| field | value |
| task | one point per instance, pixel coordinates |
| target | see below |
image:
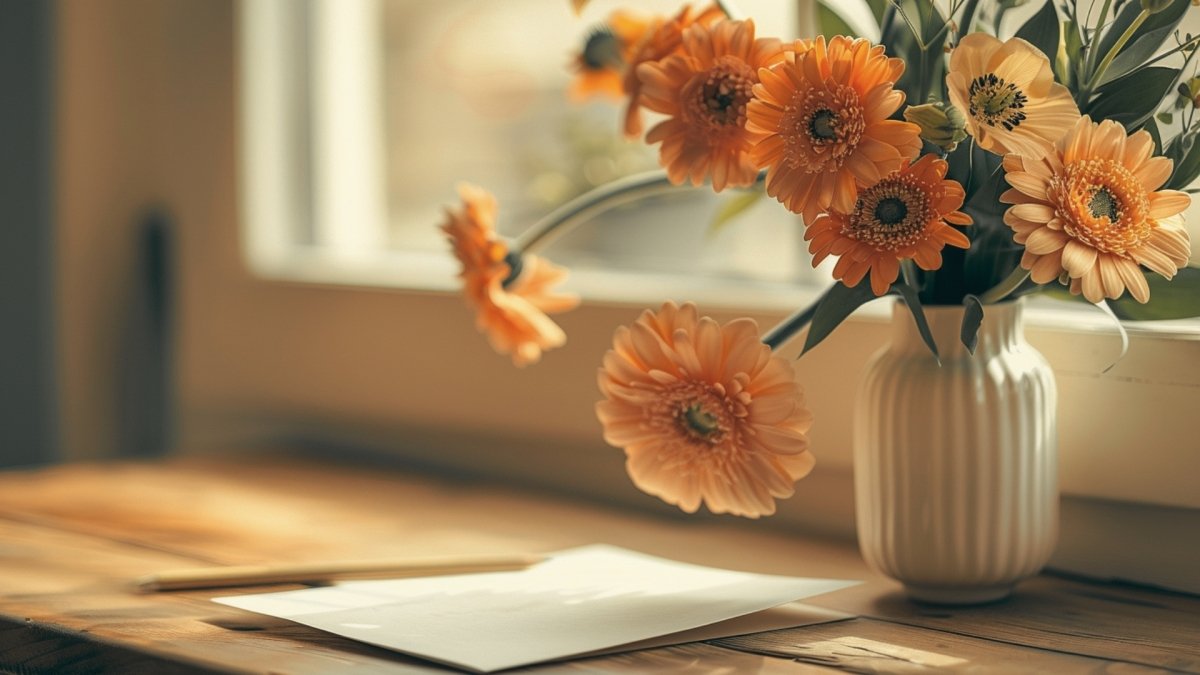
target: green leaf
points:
(1187, 168)
(1132, 99)
(830, 23)
(1169, 17)
(1152, 128)
(972, 319)
(967, 17)
(1138, 51)
(1041, 30)
(900, 42)
(1178, 148)
(733, 206)
(909, 295)
(837, 304)
(1178, 298)
(1073, 54)
(1120, 329)
(877, 8)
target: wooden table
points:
(71, 538)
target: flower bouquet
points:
(949, 164)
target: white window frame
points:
(1104, 454)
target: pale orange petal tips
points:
(513, 315)
(1091, 209)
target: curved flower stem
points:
(593, 203)
(1002, 290)
(589, 205)
(788, 328)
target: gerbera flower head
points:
(1092, 208)
(511, 312)
(601, 63)
(820, 120)
(1008, 94)
(705, 412)
(704, 92)
(662, 38)
(907, 214)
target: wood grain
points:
(1136, 625)
(73, 537)
(871, 646)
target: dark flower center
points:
(699, 422)
(892, 214)
(601, 50)
(723, 93)
(891, 211)
(1104, 204)
(994, 102)
(823, 125)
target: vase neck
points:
(1001, 330)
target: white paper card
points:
(580, 601)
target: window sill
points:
(1146, 392)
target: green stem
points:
(790, 327)
(909, 271)
(1006, 287)
(923, 82)
(887, 22)
(1090, 61)
(593, 203)
(1112, 53)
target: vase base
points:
(958, 595)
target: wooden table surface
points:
(73, 536)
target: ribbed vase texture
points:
(956, 466)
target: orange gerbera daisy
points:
(663, 38)
(511, 312)
(903, 216)
(1092, 208)
(821, 124)
(704, 91)
(1008, 94)
(704, 412)
(600, 64)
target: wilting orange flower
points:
(820, 118)
(704, 91)
(663, 38)
(1092, 208)
(903, 216)
(704, 412)
(1008, 94)
(514, 316)
(600, 64)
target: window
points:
(362, 115)
(328, 122)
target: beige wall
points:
(145, 117)
(148, 115)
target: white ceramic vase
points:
(956, 474)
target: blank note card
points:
(581, 601)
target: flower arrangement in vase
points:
(950, 165)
